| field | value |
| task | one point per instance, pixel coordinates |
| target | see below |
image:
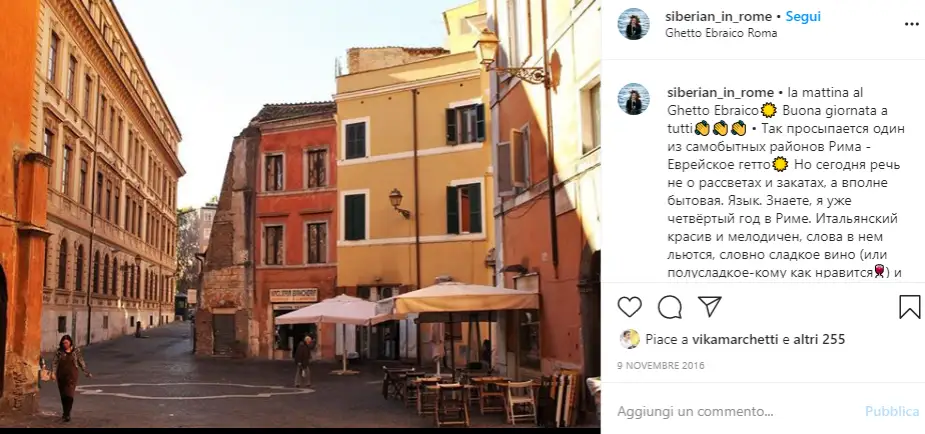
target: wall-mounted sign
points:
(290, 306)
(306, 295)
(191, 296)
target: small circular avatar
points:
(633, 24)
(633, 99)
(629, 339)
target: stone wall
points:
(228, 277)
(367, 59)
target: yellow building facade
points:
(419, 130)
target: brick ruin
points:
(228, 271)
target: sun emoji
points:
(780, 164)
(768, 110)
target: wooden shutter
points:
(518, 151)
(503, 173)
(480, 123)
(475, 208)
(355, 217)
(452, 210)
(451, 131)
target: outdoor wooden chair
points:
(521, 402)
(411, 388)
(491, 395)
(452, 408)
(427, 398)
(392, 382)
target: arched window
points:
(79, 272)
(137, 281)
(96, 272)
(45, 271)
(106, 274)
(125, 280)
(62, 264)
(115, 276)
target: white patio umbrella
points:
(342, 309)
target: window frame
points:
(62, 264)
(515, 26)
(281, 175)
(454, 122)
(54, 47)
(66, 155)
(88, 92)
(456, 187)
(264, 239)
(307, 155)
(588, 131)
(70, 91)
(326, 253)
(366, 138)
(343, 215)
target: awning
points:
(342, 309)
(458, 297)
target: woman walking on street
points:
(65, 369)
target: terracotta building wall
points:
(294, 208)
(23, 178)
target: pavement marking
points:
(94, 389)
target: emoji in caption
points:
(780, 164)
(768, 110)
(702, 128)
(720, 128)
(738, 128)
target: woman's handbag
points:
(45, 375)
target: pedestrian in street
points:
(303, 356)
(65, 370)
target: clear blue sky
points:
(216, 62)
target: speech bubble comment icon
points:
(669, 307)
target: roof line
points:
(144, 65)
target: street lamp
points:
(486, 48)
(395, 198)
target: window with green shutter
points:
(464, 209)
(355, 141)
(355, 217)
(465, 124)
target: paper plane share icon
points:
(710, 302)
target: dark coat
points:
(633, 107)
(633, 32)
(303, 354)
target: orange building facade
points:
(23, 222)
(295, 259)
(548, 240)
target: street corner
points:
(188, 391)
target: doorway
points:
(223, 335)
(3, 306)
(289, 336)
(388, 336)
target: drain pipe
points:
(550, 147)
(417, 221)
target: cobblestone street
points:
(156, 382)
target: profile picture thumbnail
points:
(633, 99)
(633, 23)
(629, 339)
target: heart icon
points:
(629, 305)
